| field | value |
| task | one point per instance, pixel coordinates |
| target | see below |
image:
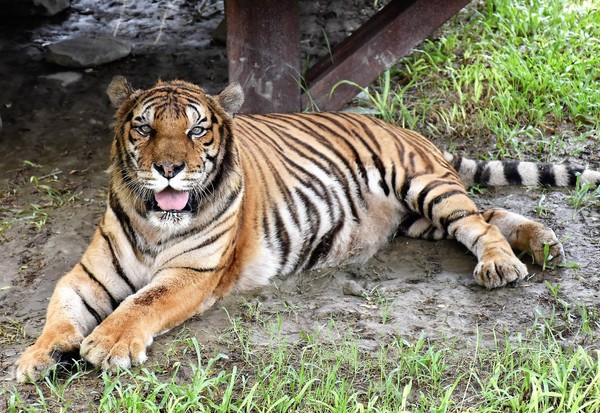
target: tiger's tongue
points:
(171, 200)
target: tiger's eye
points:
(196, 132)
(143, 130)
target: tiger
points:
(204, 202)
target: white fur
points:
(590, 177)
(497, 177)
(529, 173)
(467, 171)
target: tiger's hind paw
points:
(499, 269)
(544, 246)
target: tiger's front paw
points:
(34, 364)
(498, 269)
(40, 359)
(115, 348)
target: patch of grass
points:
(11, 331)
(48, 195)
(584, 196)
(328, 371)
(518, 79)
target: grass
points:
(48, 194)
(534, 372)
(517, 79)
(584, 196)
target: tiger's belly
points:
(339, 239)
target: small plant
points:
(584, 195)
(477, 190)
(376, 298)
(540, 209)
(384, 101)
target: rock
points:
(350, 287)
(86, 51)
(33, 7)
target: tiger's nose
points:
(168, 169)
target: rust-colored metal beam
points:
(374, 48)
(263, 50)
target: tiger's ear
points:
(231, 98)
(119, 91)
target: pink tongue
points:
(172, 200)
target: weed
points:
(540, 209)
(583, 196)
(37, 213)
(11, 331)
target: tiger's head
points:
(172, 143)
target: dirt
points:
(60, 133)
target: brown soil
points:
(416, 287)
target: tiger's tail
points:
(501, 173)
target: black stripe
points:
(113, 303)
(116, 265)
(478, 173)
(201, 270)
(411, 162)
(404, 192)
(393, 180)
(381, 169)
(283, 236)
(484, 233)
(546, 172)
(123, 219)
(455, 216)
(456, 162)
(429, 233)
(440, 198)
(573, 171)
(89, 308)
(425, 191)
(408, 220)
(314, 221)
(511, 172)
(324, 246)
(198, 270)
(125, 122)
(204, 243)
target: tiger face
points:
(168, 146)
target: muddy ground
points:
(59, 132)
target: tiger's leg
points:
(445, 203)
(173, 296)
(526, 235)
(415, 226)
(80, 301)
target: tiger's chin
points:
(169, 220)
